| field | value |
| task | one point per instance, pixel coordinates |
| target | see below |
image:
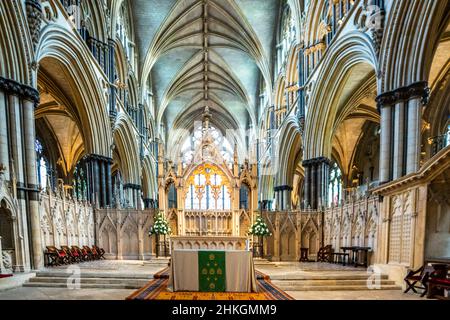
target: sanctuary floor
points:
(138, 269)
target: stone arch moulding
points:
(406, 62)
(60, 46)
(350, 51)
(125, 142)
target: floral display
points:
(259, 228)
(161, 226)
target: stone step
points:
(308, 283)
(82, 285)
(325, 276)
(90, 274)
(64, 280)
(157, 260)
(337, 288)
(263, 262)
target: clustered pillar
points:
(401, 119)
(99, 180)
(317, 176)
(18, 163)
(283, 197)
(133, 195)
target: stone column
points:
(414, 134)
(286, 199)
(1, 257)
(17, 157)
(33, 193)
(109, 188)
(307, 188)
(419, 94)
(319, 184)
(4, 152)
(314, 186)
(276, 238)
(384, 107)
(399, 135)
(141, 236)
(96, 181)
(102, 164)
(419, 224)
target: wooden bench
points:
(340, 258)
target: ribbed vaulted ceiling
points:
(206, 52)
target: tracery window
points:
(208, 189)
(244, 196)
(123, 31)
(172, 196)
(42, 165)
(335, 185)
(287, 35)
(193, 142)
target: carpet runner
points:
(157, 290)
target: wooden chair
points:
(325, 254)
(73, 255)
(418, 279)
(100, 251)
(51, 256)
(92, 255)
(84, 256)
(57, 256)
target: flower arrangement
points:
(259, 228)
(161, 226)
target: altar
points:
(212, 271)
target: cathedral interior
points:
(328, 119)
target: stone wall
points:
(124, 233)
(65, 221)
(353, 223)
(414, 218)
(292, 230)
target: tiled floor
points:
(145, 268)
(354, 295)
(23, 293)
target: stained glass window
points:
(208, 190)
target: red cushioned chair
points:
(436, 288)
(56, 256)
(84, 256)
(72, 255)
(100, 251)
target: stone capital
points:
(21, 90)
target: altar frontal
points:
(212, 271)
